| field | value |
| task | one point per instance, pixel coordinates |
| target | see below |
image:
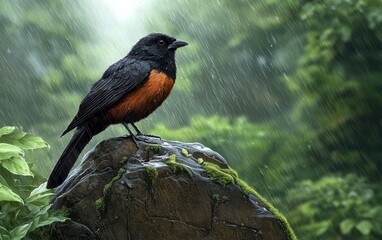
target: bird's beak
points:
(177, 44)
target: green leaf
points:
(322, 227)
(6, 130)
(364, 227)
(346, 226)
(3, 231)
(6, 194)
(308, 209)
(38, 198)
(372, 212)
(34, 205)
(39, 190)
(17, 165)
(19, 232)
(3, 181)
(8, 151)
(33, 208)
(318, 228)
(24, 140)
(43, 217)
(48, 221)
(44, 210)
(40, 193)
(5, 236)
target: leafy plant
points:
(25, 207)
(336, 207)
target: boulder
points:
(149, 188)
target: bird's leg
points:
(139, 133)
(128, 129)
(133, 137)
(136, 129)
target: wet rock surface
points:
(149, 188)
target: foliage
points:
(46, 65)
(340, 72)
(321, 61)
(25, 207)
(350, 208)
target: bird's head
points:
(156, 46)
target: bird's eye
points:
(161, 42)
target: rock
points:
(158, 189)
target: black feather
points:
(121, 79)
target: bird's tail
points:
(80, 139)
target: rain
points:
(288, 92)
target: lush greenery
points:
(288, 91)
(25, 208)
(293, 93)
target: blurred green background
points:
(289, 92)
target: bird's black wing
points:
(118, 80)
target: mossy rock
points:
(119, 193)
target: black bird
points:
(128, 91)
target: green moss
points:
(124, 160)
(100, 202)
(177, 167)
(152, 174)
(121, 171)
(219, 199)
(282, 220)
(230, 171)
(229, 176)
(245, 188)
(217, 175)
(171, 158)
(100, 206)
(200, 160)
(152, 148)
(185, 153)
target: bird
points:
(128, 91)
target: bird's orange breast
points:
(143, 100)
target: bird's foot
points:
(144, 137)
(139, 133)
(148, 135)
